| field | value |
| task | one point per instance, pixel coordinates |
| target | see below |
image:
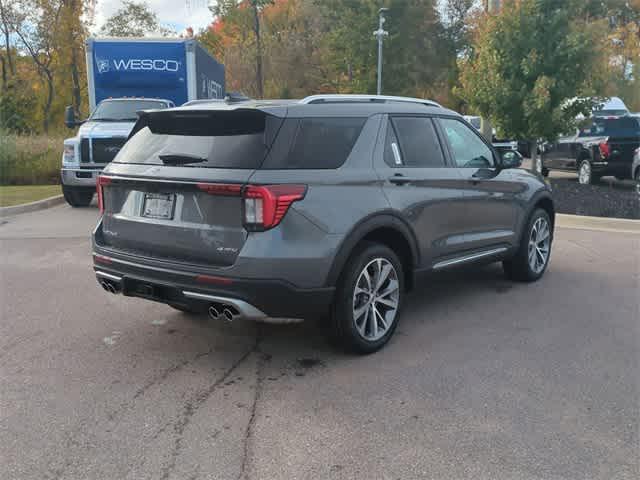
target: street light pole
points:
(380, 34)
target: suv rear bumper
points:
(252, 299)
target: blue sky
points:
(177, 14)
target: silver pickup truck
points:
(98, 141)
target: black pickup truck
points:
(605, 147)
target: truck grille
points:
(104, 149)
(84, 151)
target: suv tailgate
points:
(174, 190)
(194, 222)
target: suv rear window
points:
(300, 143)
(229, 151)
(314, 143)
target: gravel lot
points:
(485, 379)
(609, 198)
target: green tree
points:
(73, 33)
(457, 25)
(134, 19)
(527, 63)
(248, 15)
(8, 67)
(416, 53)
(37, 32)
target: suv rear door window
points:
(314, 143)
(418, 145)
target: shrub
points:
(29, 160)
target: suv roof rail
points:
(359, 98)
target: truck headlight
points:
(69, 154)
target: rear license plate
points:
(158, 205)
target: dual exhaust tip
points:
(217, 311)
(110, 286)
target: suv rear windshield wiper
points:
(180, 159)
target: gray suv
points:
(327, 207)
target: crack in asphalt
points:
(164, 374)
(192, 406)
(58, 473)
(262, 359)
(168, 371)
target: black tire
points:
(518, 268)
(591, 178)
(343, 328)
(78, 196)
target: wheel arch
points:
(385, 228)
(542, 200)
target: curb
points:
(31, 207)
(602, 224)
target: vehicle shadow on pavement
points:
(435, 298)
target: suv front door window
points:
(467, 149)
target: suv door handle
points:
(399, 179)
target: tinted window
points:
(468, 150)
(231, 151)
(618, 127)
(419, 145)
(314, 143)
(124, 109)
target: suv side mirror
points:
(511, 159)
(70, 117)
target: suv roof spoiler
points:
(358, 98)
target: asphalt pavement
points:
(484, 379)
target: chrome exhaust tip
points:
(213, 313)
(228, 315)
(109, 287)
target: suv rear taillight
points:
(605, 150)
(266, 205)
(100, 184)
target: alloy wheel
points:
(376, 299)
(584, 175)
(539, 245)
